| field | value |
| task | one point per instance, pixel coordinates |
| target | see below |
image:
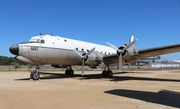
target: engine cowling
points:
(121, 48)
(92, 59)
(131, 51)
(125, 51)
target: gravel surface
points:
(137, 90)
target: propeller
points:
(120, 51)
(83, 57)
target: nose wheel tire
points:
(35, 75)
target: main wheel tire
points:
(71, 72)
(67, 72)
(110, 74)
(31, 74)
(104, 73)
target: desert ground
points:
(55, 90)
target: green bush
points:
(30, 66)
(17, 65)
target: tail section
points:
(132, 38)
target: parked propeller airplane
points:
(62, 52)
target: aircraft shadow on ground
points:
(125, 78)
(46, 76)
(163, 97)
(61, 76)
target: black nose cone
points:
(14, 49)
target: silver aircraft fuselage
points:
(58, 51)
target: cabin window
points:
(87, 50)
(82, 49)
(65, 40)
(77, 49)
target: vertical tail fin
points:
(132, 38)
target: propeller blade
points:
(83, 57)
(120, 62)
(88, 53)
(78, 53)
(112, 46)
(130, 44)
(83, 67)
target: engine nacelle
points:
(93, 60)
(124, 52)
(131, 51)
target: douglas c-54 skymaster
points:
(63, 52)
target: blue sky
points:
(152, 22)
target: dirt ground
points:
(137, 90)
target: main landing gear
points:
(69, 71)
(107, 73)
(35, 74)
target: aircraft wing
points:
(144, 53)
(159, 51)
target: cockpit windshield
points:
(37, 40)
(34, 40)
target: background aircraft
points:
(63, 52)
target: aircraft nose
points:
(14, 49)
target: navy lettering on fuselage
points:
(34, 48)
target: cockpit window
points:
(34, 40)
(42, 41)
(37, 40)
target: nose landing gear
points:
(35, 74)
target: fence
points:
(50, 68)
(26, 68)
